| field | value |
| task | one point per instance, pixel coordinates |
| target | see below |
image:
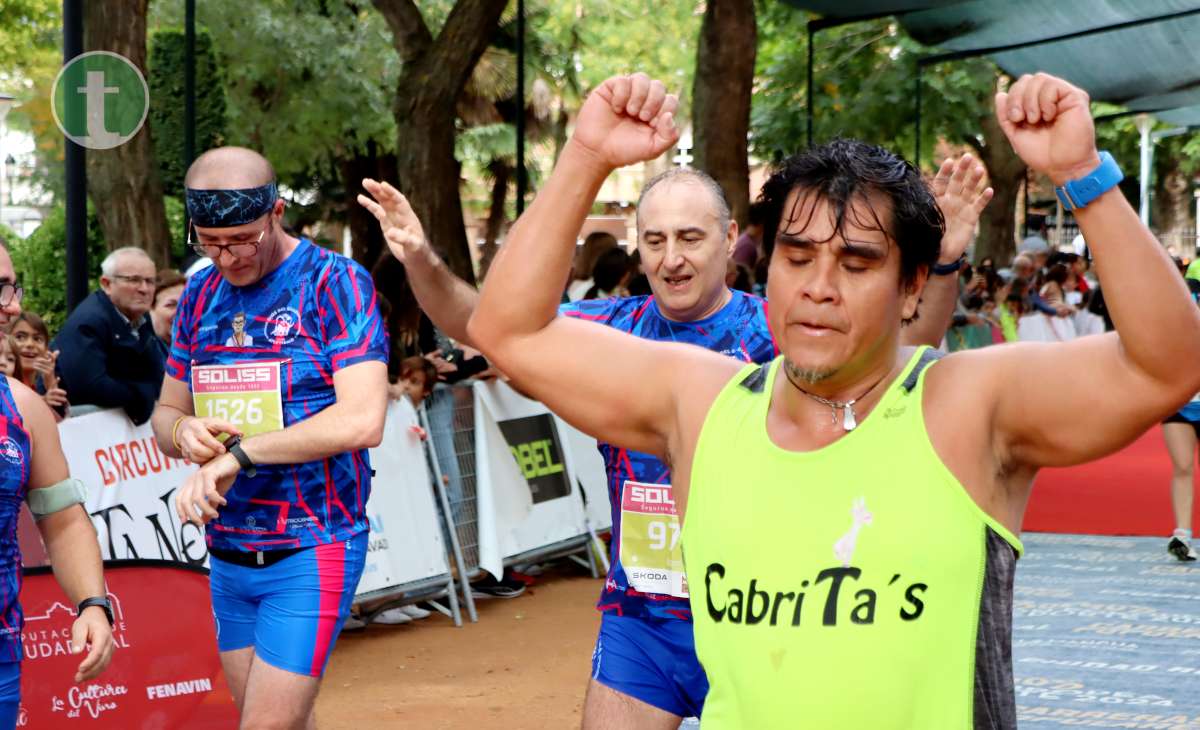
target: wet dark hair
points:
(848, 171)
(756, 215)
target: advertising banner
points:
(163, 675)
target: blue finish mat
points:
(1106, 634)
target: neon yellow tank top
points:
(856, 586)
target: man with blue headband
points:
(276, 384)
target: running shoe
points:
(1182, 550)
(391, 617)
(415, 612)
(491, 588)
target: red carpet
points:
(1128, 493)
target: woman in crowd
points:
(596, 243)
(167, 289)
(38, 363)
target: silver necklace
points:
(849, 421)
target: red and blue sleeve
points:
(179, 359)
(349, 311)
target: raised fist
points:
(627, 119)
(1049, 125)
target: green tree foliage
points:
(307, 82)
(41, 265)
(864, 87)
(167, 102)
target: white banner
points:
(406, 541)
(131, 490)
(526, 480)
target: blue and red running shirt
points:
(14, 478)
(316, 314)
(739, 330)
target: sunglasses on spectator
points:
(238, 250)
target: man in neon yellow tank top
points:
(849, 512)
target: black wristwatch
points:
(100, 601)
(234, 446)
(947, 269)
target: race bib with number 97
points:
(650, 552)
(246, 394)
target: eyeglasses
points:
(243, 250)
(135, 280)
(10, 293)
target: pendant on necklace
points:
(848, 421)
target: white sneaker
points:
(415, 612)
(354, 623)
(392, 617)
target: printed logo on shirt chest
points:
(283, 326)
(730, 600)
(10, 451)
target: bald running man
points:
(278, 348)
(645, 673)
(849, 511)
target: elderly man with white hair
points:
(108, 353)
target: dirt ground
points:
(525, 664)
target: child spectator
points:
(38, 363)
(10, 361)
(417, 378)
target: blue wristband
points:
(1076, 194)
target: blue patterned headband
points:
(228, 208)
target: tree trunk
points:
(429, 177)
(501, 172)
(1171, 214)
(1006, 171)
(434, 73)
(366, 239)
(721, 97)
(123, 181)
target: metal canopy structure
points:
(1137, 53)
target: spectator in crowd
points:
(609, 275)
(167, 290)
(748, 249)
(1035, 244)
(38, 362)
(1058, 283)
(417, 378)
(639, 283)
(10, 361)
(111, 356)
(586, 256)
(738, 277)
(1180, 432)
(1008, 305)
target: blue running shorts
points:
(652, 660)
(291, 612)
